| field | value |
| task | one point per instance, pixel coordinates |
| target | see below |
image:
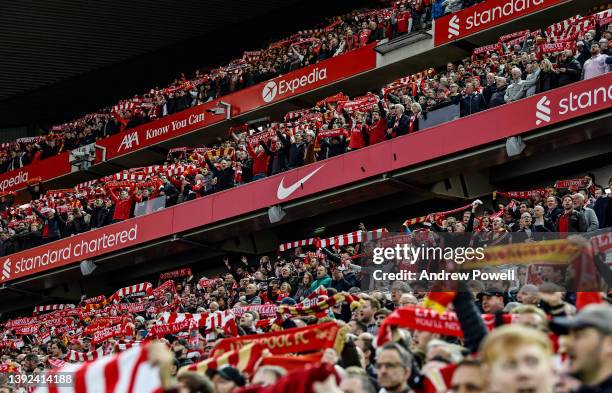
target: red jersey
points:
(357, 141)
(378, 131)
(402, 21)
(563, 225)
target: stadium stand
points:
(310, 315)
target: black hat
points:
(492, 291)
(228, 373)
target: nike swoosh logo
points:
(284, 192)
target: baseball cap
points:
(598, 316)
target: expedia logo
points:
(453, 27)
(128, 141)
(543, 111)
(6, 269)
(289, 86)
(20, 178)
(269, 91)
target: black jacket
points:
(402, 126)
(488, 91)
(296, 151)
(225, 177)
(55, 225)
(279, 159)
(171, 193)
(497, 98)
(572, 73)
(98, 214)
(472, 103)
(577, 222)
(546, 81)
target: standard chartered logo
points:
(269, 91)
(543, 111)
(6, 269)
(453, 27)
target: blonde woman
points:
(548, 77)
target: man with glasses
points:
(394, 365)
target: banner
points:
(557, 47)
(428, 320)
(520, 194)
(487, 48)
(549, 251)
(113, 331)
(483, 16)
(305, 339)
(244, 359)
(264, 310)
(185, 272)
(171, 328)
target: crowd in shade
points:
(302, 320)
(333, 37)
(515, 67)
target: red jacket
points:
(123, 207)
(260, 160)
(378, 131)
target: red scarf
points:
(304, 339)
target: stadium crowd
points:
(336, 125)
(333, 37)
(310, 318)
(304, 315)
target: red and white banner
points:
(126, 372)
(264, 310)
(51, 307)
(557, 47)
(541, 110)
(186, 272)
(144, 288)
(353, 237)
(299, 243)
(483, 16)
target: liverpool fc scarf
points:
(297, 340)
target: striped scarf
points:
(127, 372)
(318, 309)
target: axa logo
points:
(128, 141)
(453, 26)
(6, 269)
(284, 192)
(543, 110)
(269, 91)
